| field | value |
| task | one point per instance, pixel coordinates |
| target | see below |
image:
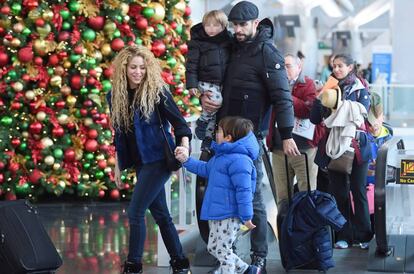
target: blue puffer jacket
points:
(231, 179)
(304, 236)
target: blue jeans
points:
(258, 239)
(149, 194)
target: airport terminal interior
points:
(56, 142)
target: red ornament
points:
(83, 112)
(35, 128)
(1, 178)
(183, 49)
(115, 196)
(35, 176)
(88, 103)
(117, 44)
(104, 148)
(58, 132)
(71, 126)
(63, 36)
(91, 81)
(60, 104)
(158, 48)
(76, 82)
(70, 155)
(93, 73)
(141, 23)
(5, 10)
(97, 23)
(10, 196)
(15, 105)
(102, 164)
(13, 167)
(25, 54)
(92, 133)
(38, 61)
(40, 22)
(101, 194)
(15, 142)
(2, 165)
(53, 59)
(4, 59)
(108, 72)
(78, 49)
(91, 145)
(173, 25)
(26, 77)
(187, 11)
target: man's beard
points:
(244, 37)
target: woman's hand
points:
(181, 154)
(249, 224)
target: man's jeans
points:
(258, 239)
(149, 194)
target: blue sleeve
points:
(241, 172)
(197, 167)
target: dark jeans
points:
(358, 227)
(258, 239)
(149, 194)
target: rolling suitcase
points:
(25, 246)
(283, 211)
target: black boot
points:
(180, 266)
(260, 262)
(132, 268)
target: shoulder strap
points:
(163, 129)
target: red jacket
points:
(303, 94)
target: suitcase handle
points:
(287, 176)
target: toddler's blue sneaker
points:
(341, 245)
(364, 245)
(252, 270)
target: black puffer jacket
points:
(207, 57)
(255, 79)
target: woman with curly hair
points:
(138, 93)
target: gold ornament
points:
(18, 86)
(71, 100)
(56, 166)
(63, 119)
(98, 71)
(61, 183)
(65, 90)
(106, 49)
(84, 72)
(108, 170)
(98, 56)
(59, 70)
(43, 31)
(30, 95)
(180, 7)
(47, 15)
(18, 27)
(5, 23)
(109, 29)
(88, 122)
(15, 43)
(100, 157)
(56, 81)
(25, 134)
(85, 177)
(78, 154)
(46, 142)
(41, 116)
(159, 12)
(124, 9)
(67, 64)
(40, 47)
(49, 160)
(34, 14)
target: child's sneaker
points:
(341, 245)
(364, 245)
(252, 270)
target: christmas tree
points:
(55, 69)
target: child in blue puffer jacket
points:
(228, 200)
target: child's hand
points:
(194, 92)
(249, 224)
(181, 154)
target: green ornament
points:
(81, 187)
(117, 33)
(101, 139)
(195, 101)
(22, 189)
(73, 58)
(58, 153)
(50, 71)
(83, 91)
(91, 63)
(66, 26)
(171, 62)
(138, 41)
(106, 85)
(24, 125)
(89, 35)
(23, 146)
(14, 58)
(26, 31)
(86, 165)
(77, 113)
(99, 174)
(160, 31)
(6, 121)
(118, 18)
(179, 29)
(148, 12)
(123, 177)
(65, 14)
(12, 74)
(95, 91)
(74, 6)
(180, 103)
(16, 8)
(89, 156)
(67, 140)
(108, 134)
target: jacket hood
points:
(198, 33)
(265, 30)
(247, 145)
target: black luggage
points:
(25, 246)
(283, 209)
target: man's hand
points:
(207, 104)
(290, 148)
(181, 154)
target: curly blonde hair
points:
(147, 94)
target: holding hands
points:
(181, 154)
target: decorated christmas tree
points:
(55, 69)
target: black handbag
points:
(172, 163)
(344, 163)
